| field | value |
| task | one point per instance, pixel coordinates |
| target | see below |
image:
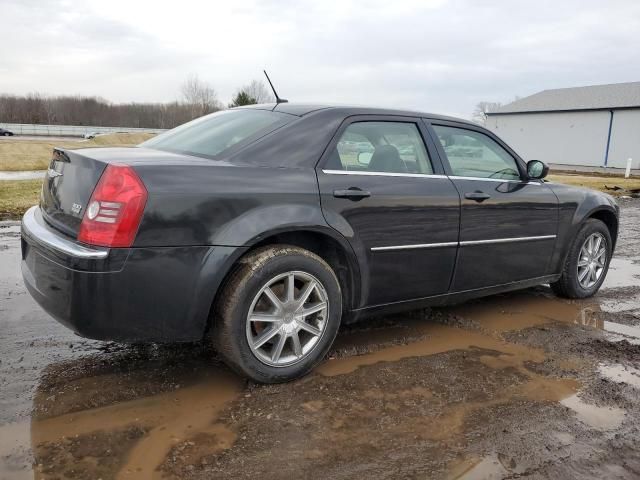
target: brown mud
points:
(515, 385)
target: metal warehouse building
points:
(596, 126)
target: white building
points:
(596, 126)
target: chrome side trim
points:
(42, 235)
(498, 180)
(468, 243)
(424, 175)
(382, 174)
(416, 246)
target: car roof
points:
(302, 109)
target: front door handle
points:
(352, 193)
(478, 196)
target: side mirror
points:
(537, 169)
(364, 158)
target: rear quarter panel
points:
(225, 205)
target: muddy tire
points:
(277, 314)
(587, 262)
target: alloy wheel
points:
(287, 318)
(592, 260)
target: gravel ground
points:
(515, 385)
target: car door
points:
(382, 190)
(508, 223)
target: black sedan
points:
(5, 133)
(261, 229)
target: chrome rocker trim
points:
(466, 243)
(413, 247)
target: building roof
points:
(595, 97)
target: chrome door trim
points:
(498, 180)
(416, 246)
(425, 175)
(382, 174)
(468, 243)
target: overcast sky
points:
(440, 56)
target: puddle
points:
(487, 468)
(197, 409)
(440, 339)
(564, 438)
(15, 455)
(622, 332)
(623, 272)
(518, 311)
(152, 425)
(600, 418)
(619, 305)
(621, 374)
(437, 339)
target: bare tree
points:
(255, 92)
(482, 108)
(258, 91)
(200, 96)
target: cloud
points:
(434, 55)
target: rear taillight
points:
(113, 214)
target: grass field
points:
(16, 196)
(19, 155)
(598, 182)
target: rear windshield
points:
(211, 135)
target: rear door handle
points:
(478, 196)
(352, 193)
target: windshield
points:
(211, 135)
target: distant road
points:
(38, 138)
(24, 175)
(70, 130)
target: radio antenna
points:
(278, 99)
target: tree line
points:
(197, 98)
(480, 113)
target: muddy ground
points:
(511, 386)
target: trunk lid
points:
(67, 187)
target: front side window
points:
(211, 135)
(382, 147)
(473, 154)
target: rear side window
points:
(473, 154)
(381, 147)
(211, 135)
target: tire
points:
(569, 284)
(237, 339)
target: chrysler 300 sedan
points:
(261, 229)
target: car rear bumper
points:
(159, 294)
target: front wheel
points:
(278, 314)
(587, 263)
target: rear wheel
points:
(278, 314)
(587, 263)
